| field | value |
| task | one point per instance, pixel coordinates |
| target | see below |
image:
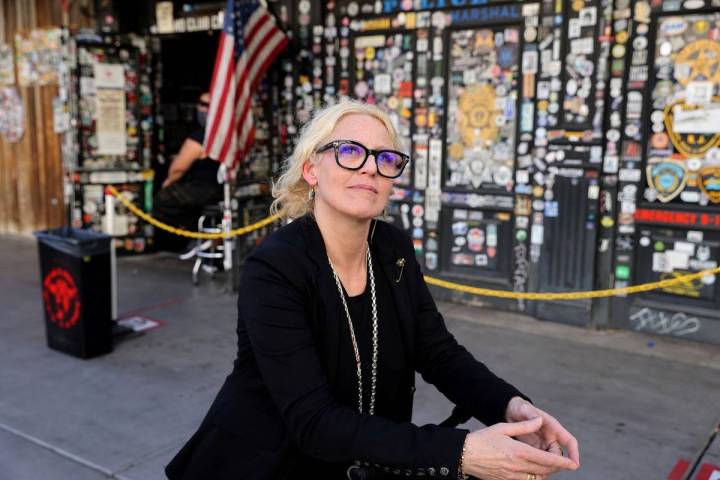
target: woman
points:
(334, 320)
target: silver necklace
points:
(358, 363)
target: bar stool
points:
(207, 253)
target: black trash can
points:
(77, 290)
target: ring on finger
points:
(531, 476)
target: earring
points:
(311, 194)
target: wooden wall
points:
(31, 174)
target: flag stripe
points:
(218, 93)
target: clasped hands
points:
(529, 445)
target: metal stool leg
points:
(196, 270)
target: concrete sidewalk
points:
(637, 403)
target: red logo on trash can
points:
(61, 297)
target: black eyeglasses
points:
(352, 155)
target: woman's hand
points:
(551, 437)
(492, 453)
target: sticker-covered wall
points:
(557, 145)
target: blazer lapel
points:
(397, 271)
(329, 311)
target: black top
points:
(205, 169)
(281, 403)
(393, 373)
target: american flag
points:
(249, 43)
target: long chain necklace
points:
(358, 363)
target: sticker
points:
(696, 236)
(462, 259)
(660, 263)
(629, 175)
(431, 260)
(698, 60)
(7, 65)
(536, 234)
(699, 93)
(709, 182)
(476, 239)
(12, 115)
(685, 247)
(607, 222)
(668, 178)
(383, 83)
(693, 129)
(622, 272)
(673, 26)
(459, 228)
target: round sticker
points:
(640, 43)
(607, 222)
(438, 20)
(361, 89)
(645, 241)
(694, 164)
(665, 49)
(530, 34)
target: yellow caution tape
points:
(186, 233)
(487, 292)
(608, 292)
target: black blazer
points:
(277, 399)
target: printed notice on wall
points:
(111, 132)
(109, 75)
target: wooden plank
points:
(26, 152)
(52, 170)
(38, 164)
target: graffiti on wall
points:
(664, 323)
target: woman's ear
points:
(308, 173)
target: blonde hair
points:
(291, 190)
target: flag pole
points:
(228, 242)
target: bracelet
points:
(460, 474)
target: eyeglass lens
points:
(352, 156)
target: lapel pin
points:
(401, 265)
